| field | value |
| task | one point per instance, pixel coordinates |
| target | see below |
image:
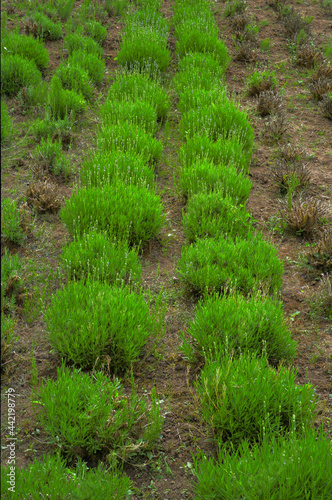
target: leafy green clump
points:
(94, 324)
(243, 264)
(138, 113)
(95, 256)
(27, 47)
(17, 72)
(93, 64)
(239, 324)
(281, 467)
(127, 212)
(64, 102)
(76, 41)
(73, 77)
(83, 415)
(108, 167)
(210, 215)
(244, 399)
(55, 479)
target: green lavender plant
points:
(93, 64)
(27, 47)
(139, 113)
(17, 72)
(127, 212)
(238, 324)
(93, 324)
(96, 256)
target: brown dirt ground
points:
(184, 433)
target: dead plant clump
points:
(276, 128)
(292, 153)
(247, 51)
(277, 4)
(294, 175)
(254, 89)
(42, 196)
(321, 302)
(320, 88)
(308, 56)
(320, 256)
(239, 22)
(326, 106)
(293, 23)
(302, 216)
(269, 102)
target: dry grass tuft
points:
(320, 256)
(308, 56)
(321, 302)
(42, 196)
(292, 153)
(294, 175)
(276, 128)
(247, 51)
(326, 106)
(293, 23)
(239, 21)
(302, 216)
(269, 102)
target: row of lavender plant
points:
(239, 330)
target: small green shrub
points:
(11, 281)
(116, 7)
(127, 212)
(144, 50)
(194, 98)
(26, 47)
(34, 95)
(17, 72)
(284, 467)
(96, 31)
(73, 77)
(7, 338)
(55, 479)
(64, 102)
(14, 222)
(105, 168)
(151, 5)
(222, 121)
(93, 64)
(138, 113)
(244, 399)
(64, 9)
(133, 87)
(49, 154)
(93, 324)
(42, 27)
(94, 414)
(128, 138)
(76, 41)
(6, 123)
(234, 323)
(260, 81)
(203, 176)
(210, 215)
(44, 128)
(201, 62)
(244, 264)
(95, 256)
(234, 7)
(224, 152)
(196, 41)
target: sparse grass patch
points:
(83, 414)
(50, 156)
(224, 324)
(244, 264)
(290, 175)
(234, 7)
(6, 123)
(320, 256)
(42, 27)
(321, 301)
(11, 282)
(245, 400)
(8, 324)
(95, 256)
(15, 222)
